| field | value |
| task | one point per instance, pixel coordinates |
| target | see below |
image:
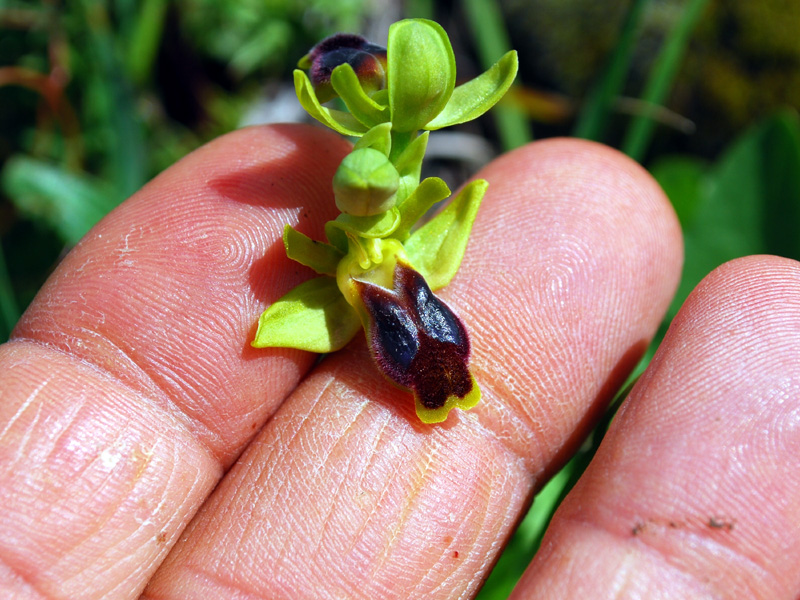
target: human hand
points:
(131, 402)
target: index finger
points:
(129, 385)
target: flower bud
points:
(365, 183)
(368, 61)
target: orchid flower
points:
(376, 270)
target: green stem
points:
(641, 130)
(400, 141)
(145, 39)
(594, 117)
(491, 41)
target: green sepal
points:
(337, 237)
(409, 166)
(375, 226)
(314, 316)
(321, 257)
(420, 72)
(436, 248)
(305, 62)
(378, 138)
(470, 100)
(345, 82)
(428, 193)
(340, 121)
(381, 97)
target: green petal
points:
(375, 226)
(428, 193)
(314, 316)
(436, 248)
(380, 273)
(338, 120)
(365, 109)
(420, 72)
(472, 99)
(378, 138)
(321, 257)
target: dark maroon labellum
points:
(367, 59)
(416, 340)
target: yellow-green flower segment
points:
(376, 270)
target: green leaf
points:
(661, 76)
(378, 138)
(489, 40)
(338, 120)
(314, 316)
(747, 203)
(595, 116)
(421, 72)
(436, 248)
(684, 179)
(365, 109)
(9, 310)
(69, 202)
(321, 257)
(428, 193)
(472, 99)
(375, 226)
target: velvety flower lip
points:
(417, 341)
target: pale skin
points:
(147, 450)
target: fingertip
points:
(164, 293)
(574, 258)
(690, 478)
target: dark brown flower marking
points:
(416, 340)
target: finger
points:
(129, 385)
(693, 493)
(572, 263)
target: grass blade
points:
(9, 311)
(665, 69)
(491, 41)
(594, 116)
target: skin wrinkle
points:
(337, 492)
(644, 543)
(163, 404)
(71, 554)
(139, 532)
(267, 474)
(369, 467)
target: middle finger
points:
(573, 261)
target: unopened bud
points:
(365, 183)
(368, 61)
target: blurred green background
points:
(98, 96)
